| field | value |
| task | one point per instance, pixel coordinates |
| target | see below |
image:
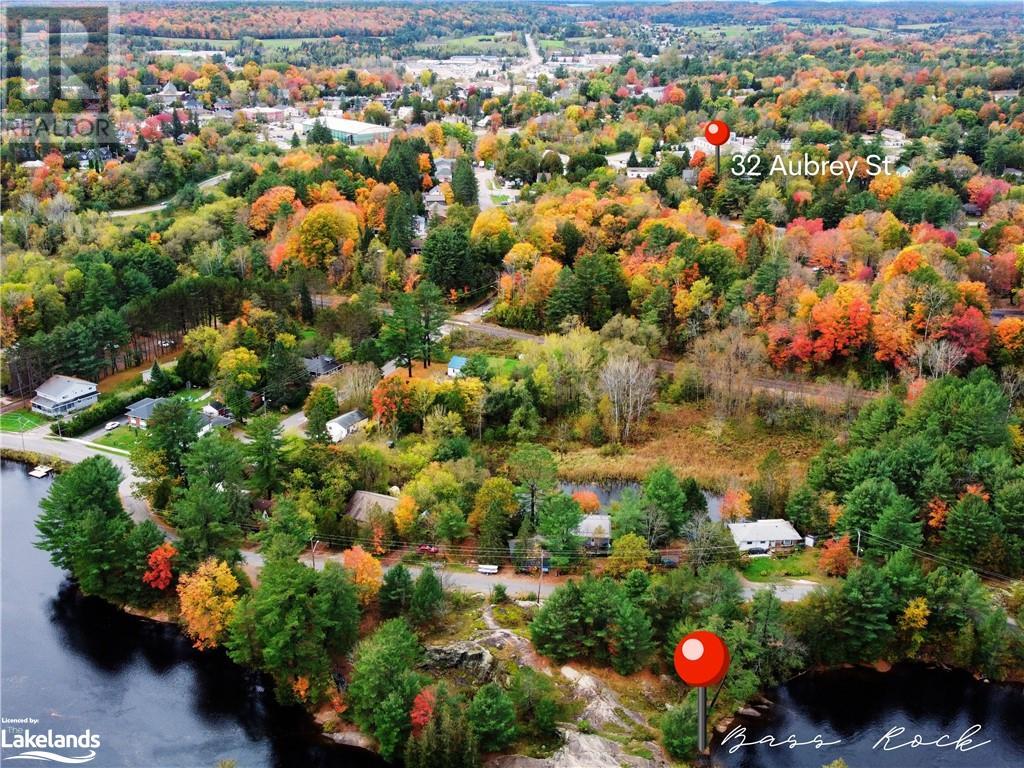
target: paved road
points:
(484, 177)
(40, 440)
(204, 184)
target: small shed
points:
(455, 366)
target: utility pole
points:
(858, 545)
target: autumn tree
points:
(159, 575)
(207, 599)
(835, 558)
(629, 552)
(366, 572)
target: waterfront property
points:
(59, 395)
(596, 532)
(764, 536)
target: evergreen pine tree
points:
(396, 591)
(427, 596)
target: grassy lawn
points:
(551, 45)
(124, 437)
(20, 421)
(502, 366)
(802, 564)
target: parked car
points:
(489, 570)
(427, 549)
(110, 426)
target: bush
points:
(687, 386)
(499, 594)
(105, 410)
(679, 729)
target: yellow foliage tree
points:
(629, 553)
(490, 223)
(405, 516)
(208, 597)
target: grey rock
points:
(469, 659)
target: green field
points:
(20, 421)
(499, 43)
(800, 564)
(729, 32)
(552, 45)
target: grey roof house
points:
(342, 426)
(321, 365)
(59, 395)
(363, 503)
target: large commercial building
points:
(352, 132)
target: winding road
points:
(155, 207)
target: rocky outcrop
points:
(603, 707)
(468, 659)
(584, 750)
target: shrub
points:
(499, 594)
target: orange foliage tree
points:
(159, 575)
(836, 558)
(366, 572)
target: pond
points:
(74, 663)
(609, 491)
(858, 707)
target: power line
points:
(941, 559)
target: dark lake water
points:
(859, 706)
(76, 663)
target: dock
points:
(41, 471)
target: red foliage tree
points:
(970, 330)
(159, 575)
(422, 710)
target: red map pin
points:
(701, 658)
(717, 133)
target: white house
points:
(59, 395)
(596, 531)
(455, 366)
(767, 535)
(342, 426)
